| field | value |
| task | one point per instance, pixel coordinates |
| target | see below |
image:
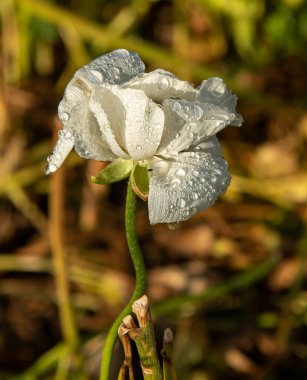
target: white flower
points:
(112, 110)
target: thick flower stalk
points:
(156, 128)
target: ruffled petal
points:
(110, 118)
(215, 91)
(180, 188)
(160, 84)
(211, 145)
(136, 121)
(188, 123)
(116, 67)
(92, 140)
(81, 131)
(113, 68)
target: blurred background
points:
(231, 281)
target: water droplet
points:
(116, 71)
(97, 74)
(64, 116)
(64, 134)
(213, 179)
(217, 171)
(176, 106)
(181, 202)
(195, 173)
(194, 196)
(180, 173)
(173, 226)
(175, 182)
(163, 83)
(50, 168)
(219, 89)
(197, 113)
(138, 147)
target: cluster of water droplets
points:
(192, 185)
(189, 111)
(62, 148)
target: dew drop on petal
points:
(138, 147)
(64, 134)
(163, 83)
(176, 106)
(220, 89)
(116, 72)
(197, 112)
(175, 182)
(173, 226)
(181, 202)
(51, 168)
(64, 116)
(195, 173)
(194, 196)
(180, 173)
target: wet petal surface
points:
(137, 122)
(178, 189)
(188, 123)
(215, 91)
(160, 84)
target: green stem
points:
(140, 279)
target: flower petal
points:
(116, 67)
(178, 189)
(136, 121)
(109, 117)
(188, 123)
(160, 84)
(80, 131)
(215, 91)
(211, 145)
(112, 68)
(61, 150)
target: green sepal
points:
(140, 181)
(117, 170)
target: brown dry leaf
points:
(240, 362)
(284, 191)
(302, 126)
(223, 247)
(166, 282)
(273, 160)
(284, 275)
(266, 344)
